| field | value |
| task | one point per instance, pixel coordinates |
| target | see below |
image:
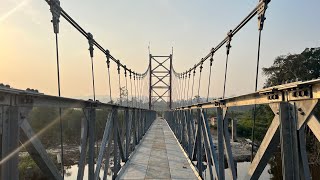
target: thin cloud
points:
(23, 6)
(13, 10)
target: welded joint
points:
(56, 11)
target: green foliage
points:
(28, 169)
(46, 123)
(264, 116)
(304, 66)
(25, 163)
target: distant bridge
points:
(144, 145)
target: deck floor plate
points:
(159, 156)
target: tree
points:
(263, 120)
(304, 66)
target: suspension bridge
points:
(172, 142)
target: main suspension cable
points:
(257, 9)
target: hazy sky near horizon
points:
(192, 28)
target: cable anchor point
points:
(90, 41)
(108, 58)
(262, 7)
(118, 64)
(229, 41)
(56, 11)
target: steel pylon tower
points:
(160, 80)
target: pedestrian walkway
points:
(159, 156)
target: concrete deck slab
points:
(159, 156)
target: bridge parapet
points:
(293, 106)
(124, 128)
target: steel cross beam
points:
(160, 79)
(159, 96)
(160, 63)
(159, 76)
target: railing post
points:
(83, 144)
(128, 134)
(209, 147)
(199, 145)
(288, 140)
(189, 134)
(9, 131)
(227, 145)
(105, 140)
(116, 154)
(134, 126)
(92, 120)
(234, 122)
(220, 144)
(184, 129)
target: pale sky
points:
(27, 54)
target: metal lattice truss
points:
(293, 105)
(160, 80)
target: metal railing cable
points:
(188, 88)
(194, 74)
(109, 78)
(228, 46)
(209, 81)
(198, 100)
(55, 22)
(261, 19)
